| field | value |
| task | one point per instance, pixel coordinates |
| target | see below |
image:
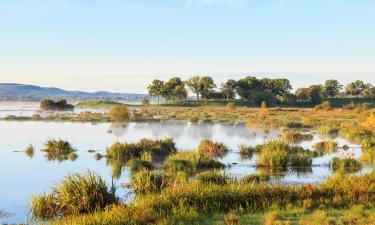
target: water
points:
(22, 176)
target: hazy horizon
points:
(122, 45)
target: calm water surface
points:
(22, 176)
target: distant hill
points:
(24, 92)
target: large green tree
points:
(174, 89)
(206, 86)
(156, 88)
(193, 85)
(228, 89)
(332, 88)
(355, 88)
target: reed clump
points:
(255, 178)
(326, 146)
(346, 164)
(138, 164)
(29, 151)
(296, 136)
(76, 194)
(213, 149)
(58, 149)
(125, 151)
(279, 154)
(215, 177)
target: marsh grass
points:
(29, 151)
(212, 149)
(76, 194)
(296, 136)
(256, 178)
(58, 149)
(137, 164)
(125, 151)
(214, 177)
(346, 164)
(279, 154)
(326, 146)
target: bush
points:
(48, 104)
(76, 194)
(212, 149)
(230, 106)
(119, 113)
(324, 106)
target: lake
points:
(22, 176)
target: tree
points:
(355, 88)
(119, 113)
(332, 88)
(303, 94)
(369, 91)
(179, 92)
(246, 86)
(155, 89)
(315, 94)
(229, 88)
(174, 89)
(206, 85)
(279, 87)
(193, 84)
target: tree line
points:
(254, 90)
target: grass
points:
(279, 154)
(59, 150)
(125, 151)
(326, 146)
(294, 136)
(137, 164)
(212, 177)
(346, 164)
(29, 151)
(97, 104)
(342, 198)
(255, 178)
(213, 149)
(76, 194)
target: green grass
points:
(97, 104)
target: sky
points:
(121, 45)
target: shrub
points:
(76, 194)
(212, 149)
(48, 104)
(119, 113)
(324, 106)
(346, 164)
(230, 106)
(263, 110)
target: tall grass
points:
(212, 149)
(296, 136)
(58, 149)
(327, 146)
(76, 194)
(29, 151)
(346, 164)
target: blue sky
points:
(121, 45)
